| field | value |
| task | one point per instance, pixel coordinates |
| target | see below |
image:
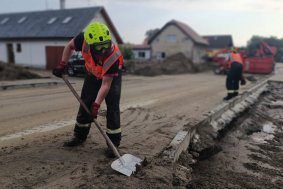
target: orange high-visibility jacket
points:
(235, 57)
(99, 69)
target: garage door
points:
(53, 56)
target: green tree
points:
(272, 41)
(150, 33)
(253, 44)
(127, 52)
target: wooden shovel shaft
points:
(114, 149)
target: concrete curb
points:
(212, 122)
(28, 85)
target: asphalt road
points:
(32, 107)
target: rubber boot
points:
(109, 152)
(229, 96)
(80, 135)
(115, 138)
(74, 141)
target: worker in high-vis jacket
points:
(234, 75)
(103, 62)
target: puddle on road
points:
(39, 129)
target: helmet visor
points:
(100, 47)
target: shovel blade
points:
(126, 164)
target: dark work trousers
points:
(233, 77)
(89, 92)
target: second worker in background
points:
(234, 75)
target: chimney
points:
(62, 4)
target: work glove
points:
(59, 70)
(94, 110)
(243, 81)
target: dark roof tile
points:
(36, 23)
(219, 41)
(188, 31)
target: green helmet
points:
(97, 33)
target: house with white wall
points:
(141, 52)
(37, 39)
(177, 37)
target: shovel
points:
(127, 163)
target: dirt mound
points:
(175, 64)
(251, 150)
(13, 72)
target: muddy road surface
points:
(35, 122)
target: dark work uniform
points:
(234, 77)
(89, 93)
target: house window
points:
(19, 47)
(171, 38)
(141, 55)
(161, 55)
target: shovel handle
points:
(114, 149)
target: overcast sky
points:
(132, 18)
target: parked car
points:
(76, 65)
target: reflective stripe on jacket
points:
(99, 69)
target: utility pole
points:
(46, 5)
(62, 4)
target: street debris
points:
(251, 150)
(175, 64)
(14, 72)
